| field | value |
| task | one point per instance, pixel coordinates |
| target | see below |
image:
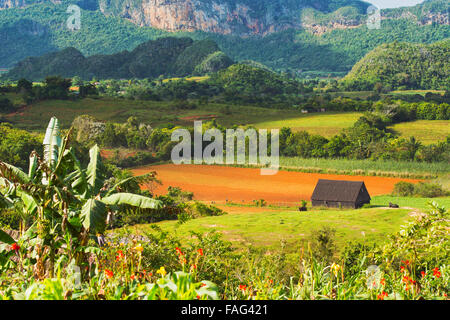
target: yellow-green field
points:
(426, 131)
(197, 79)
(266, 227)
(421, 92)
(35, 117)
(326, 124)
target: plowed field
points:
(219, 183)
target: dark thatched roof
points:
(340, 190)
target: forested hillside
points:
(319, 44)
(165, 56)
(405, 66)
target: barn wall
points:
(333, 204)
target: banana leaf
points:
(6, 238)
(93, 215)
(94, 172)
(132, 200)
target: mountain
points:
(165, 56)
(300, 35)
(242, 17)
(405, 65)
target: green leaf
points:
(139, 179)
(94, 216)
(94, 171)
(33, 165)
(52, 142)
(6, 238)
(28, 201)
(132, 200)
(13, 174)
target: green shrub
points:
(421, 189)
(403, 189)
(429, 190)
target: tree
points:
(65, 200)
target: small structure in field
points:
(340, 193)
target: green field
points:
(421, 92)
(411, 202)
(366, 167)
(266, 227)
(325, 124)
(157, 113)
(426, 131)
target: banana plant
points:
(62, 196)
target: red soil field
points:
(220, 183)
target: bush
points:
(422, 189)
(429, 190)
(403, 189)
(323, 245)
(199, 209)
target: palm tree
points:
(65, 200)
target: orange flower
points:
(406, 262)
(109, 273)
(383, 281)
(132, 277)
(120, 255)
(200, 251)
(436, 272)
(382, 296)
(242, 287)
(423, 274)
(15, 247)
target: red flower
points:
(383, 281)
(202, 285)
(423, 274)
(132, 277)
(120, 255)
(15, 247)
(382, 295)
(242, 287)
(198, 297)
(109, 273)
(402, 269)
(436, 272)
(178, 250)
(406, 262)
(200, 251)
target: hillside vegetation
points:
(164, 56)
(405, 65)
(40, 28)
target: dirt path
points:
(243, 185)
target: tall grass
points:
(402, 169)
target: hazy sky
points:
(394, 3)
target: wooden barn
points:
(340, 193)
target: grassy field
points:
(426, 131)
(36, 117)
(197, 79)
(366, 167)
(421, 92)
(326, 124)
(418, 203)
(266, 227)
